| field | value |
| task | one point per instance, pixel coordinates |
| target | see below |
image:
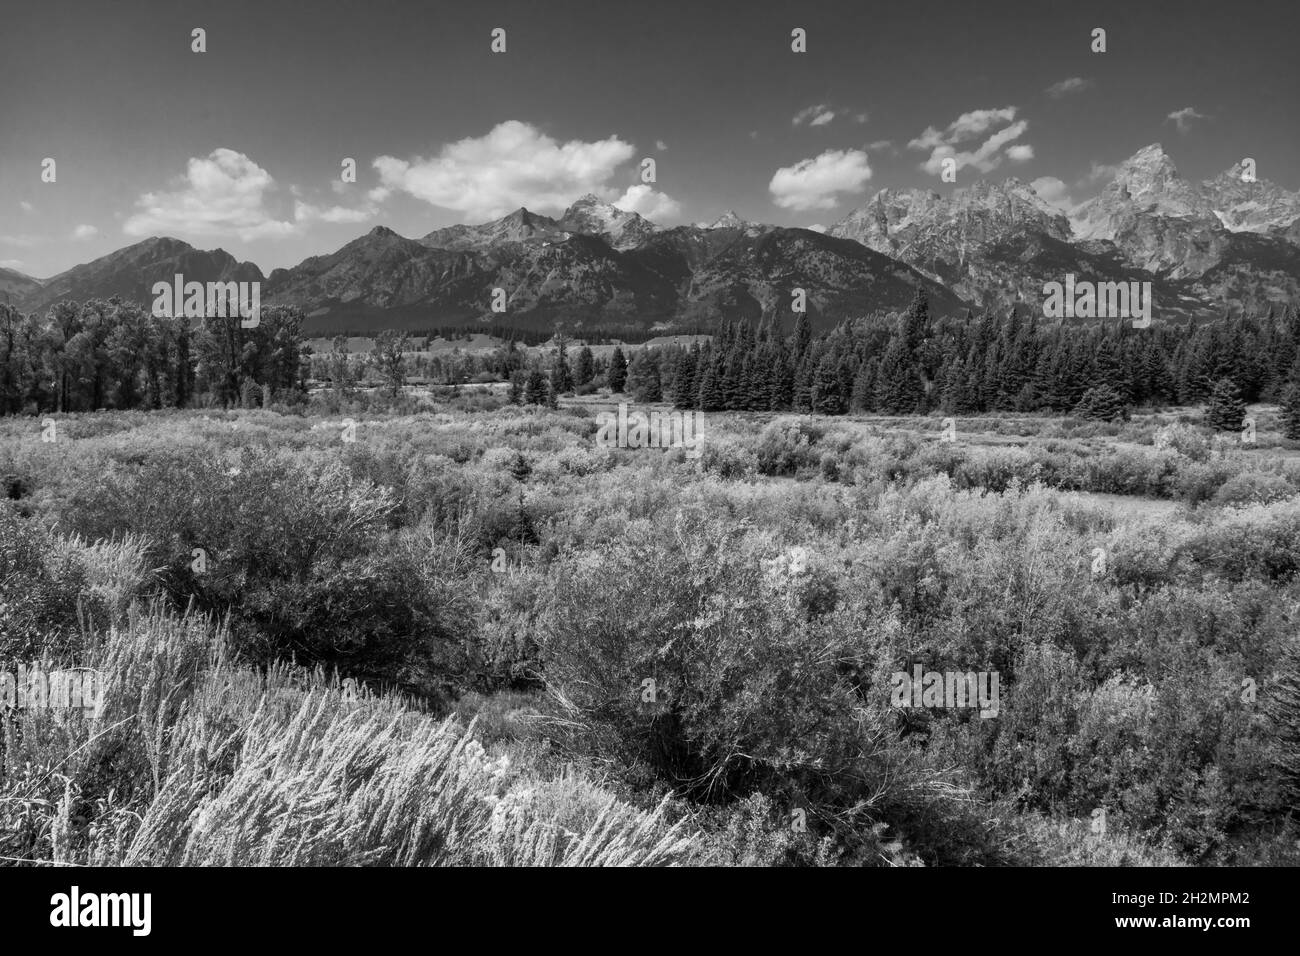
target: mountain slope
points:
(15, 286)
(131, 273)
(550, 270)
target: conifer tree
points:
(617, 370)
(1291, 410)
(1102, 403)
(535, 391)
(643, 380)
(1225, 410)
(898, 387)
(561, 375)
(586, 369)
(685, 386)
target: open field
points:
(545, 650)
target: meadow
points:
(472, 636)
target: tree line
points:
(914, 364)
(117, 355)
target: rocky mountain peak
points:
(728, 220)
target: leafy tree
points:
(389, 356)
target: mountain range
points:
(1225, 244)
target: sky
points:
(241, 147)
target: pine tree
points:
(1291, 410)
(863, 398)
(803, 383)
(617, 370)
(1102, 403)
(710, 399)
(685, 386)
(643, 381)
(561, 376)
(898, 387)
(1225, 410)
(586, 370)
(802, 337)
(826, 398)
(535, 391)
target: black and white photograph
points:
(696, 435)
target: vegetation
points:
(395, 627)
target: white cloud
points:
(11, 263)
(813, 183)
(84, 231)
(222, 194)
(661, 146)
(880, 145)
(1098, 172)
(1073, 84)
(305, 212)
(513, 165)
(24, 242)
(861, 118)
(985, 158)
(817, 227)
(1054, 192)
(649, 202)
(818, 115)
(1184, 118)
(25, 205)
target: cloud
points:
(305, 212)
(813, 183)
(1098, 172)
(988, 156)
(861, 118)
(24, 242)
(513, 165)
(1184, 118)
(11, 263)
(222, 194)
(83, 232)
(818, 115)
(964, 127)
(1054, 192)
(25, 205)
(817, 227)
(880, 145)
(1074, 84)
(648, 202)
(661, 146)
